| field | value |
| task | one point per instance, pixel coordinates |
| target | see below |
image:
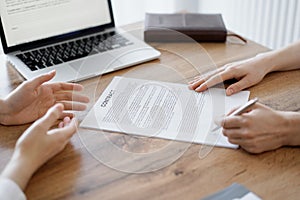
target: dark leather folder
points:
(171, 27)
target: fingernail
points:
(219, 120)
(59, 106)
(61, 124)
(52, 71)
(230, 91)
(198, 89)
(67, 119)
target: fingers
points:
(74, 106)
(66, 121)
(249, 142)
(239, 70)
(42, 79)
(69, 96)
(195, 83)
(70, 128)
(62, 96)
(53, 114)
(199, 80)
(219, 120)
(66, 86)
(213, 79)
(67, 128)
(239, 86)
(238, 121)
(234, 122)
(67, 114)
(235, 133)
(61, 124)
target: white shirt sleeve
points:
(9, 190)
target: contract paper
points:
(163, 110)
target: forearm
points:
(284, 59)
(18, 170)
(292, 128)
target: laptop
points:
(77, 38)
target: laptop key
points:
(93, 52)
(57, 54)
(40, 66)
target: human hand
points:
(38, 144)
(248, 73)
(33, 98)
(261, 129)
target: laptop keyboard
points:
(65, 52)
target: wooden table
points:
(77, 173)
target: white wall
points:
(273, 23)
(129, 11)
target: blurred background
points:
(273, 23)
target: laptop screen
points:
(31, 20)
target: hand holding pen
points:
(257, 128)
(239, 111)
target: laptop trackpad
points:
(95, 65)
(63, 72)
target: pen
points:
(240, 110)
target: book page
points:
(163, 110)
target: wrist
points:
(2, 111)
(19, 170)
(6, 114)
(267, 61)
(284, 59)
(292, 131)
(3, 107)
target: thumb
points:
(219, 120)
(238, 86)
(42, 79)
(64, 134)
(52, 115)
